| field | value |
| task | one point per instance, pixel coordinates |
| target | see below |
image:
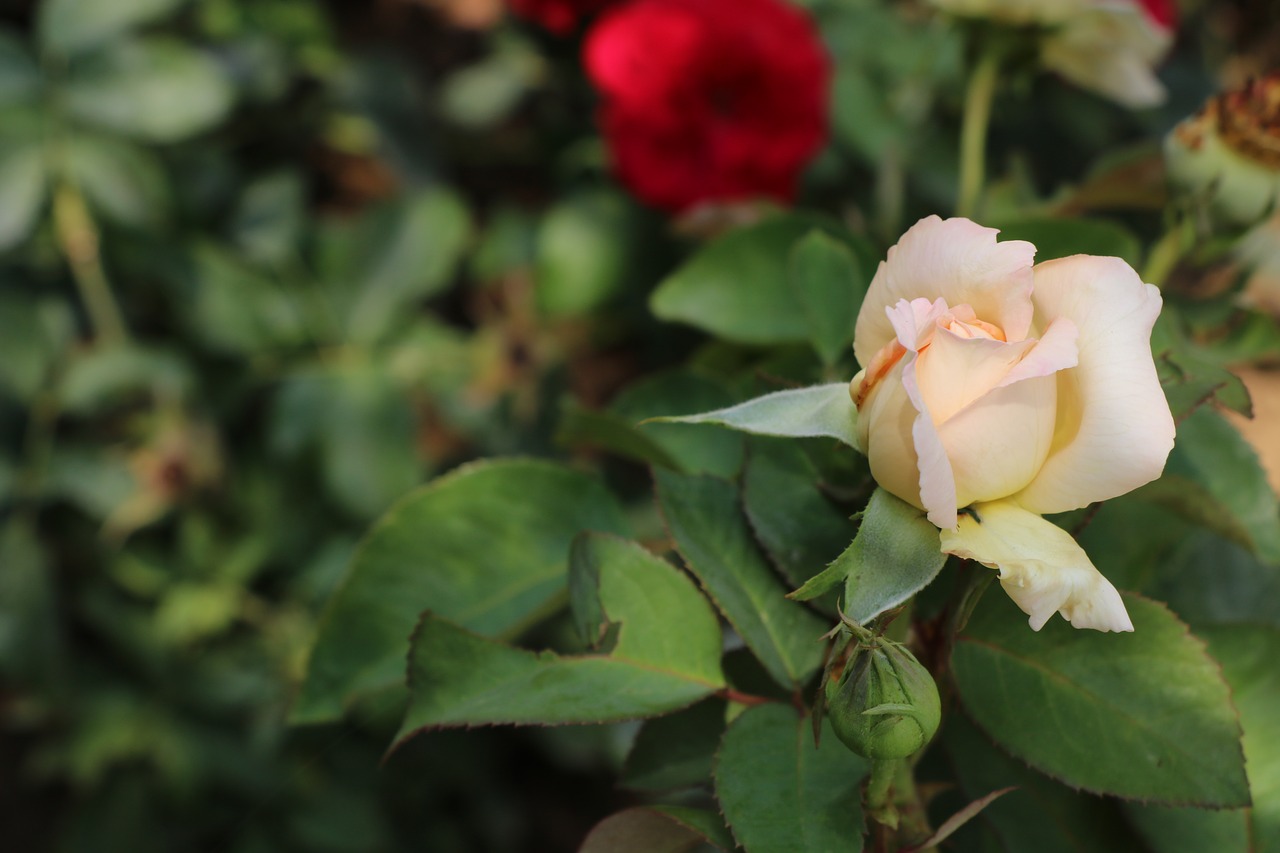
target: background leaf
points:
(780, 793)
(654, 830)
(486, 546)
(1144, 715)
(821, 411)
(676, 751)
(1058, 238)
(73, 26)
(829, 285)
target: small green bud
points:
(885, 704)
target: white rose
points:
(1011, 391)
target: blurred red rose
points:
(558, 16)
(709, 100)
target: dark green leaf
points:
(236, 309)
(581, 427)
(821, 411)
(780, 793)
(693, 448)
(24, 188)
(268, 221)
(29, 619)
(707, 523)
(1041, 816)
(1233, 497)
(676, 751)
(736, 287)
(486, 547)
(1144, 716)
(661, 829)
(799, 527)
(664, 653)
(123, 181)
(19, 74)
(154, 90)
(72, 26)
(829, 285)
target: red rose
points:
(558, 16)
(709, 100)
(1163, 13)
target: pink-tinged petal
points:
(956, 260)
(914, 322)
(1114, 428)
(1041, 567)
(954, 371)
(1056, 350)
(937, 482)
(885, 420)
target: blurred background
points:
(266, 266)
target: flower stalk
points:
(978, 99)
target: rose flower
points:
(994, 392)
(709, 100)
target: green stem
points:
(1164, 257)
(78, 239)
(880, 807)
(973, 131)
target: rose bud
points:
(1228, 154)
(885, 704)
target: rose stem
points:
(973, 130)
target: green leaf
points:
(1144, 716)
(1058, 238)
(30, 638)
(1041, 816)
(486, 547)
(829, 286)
(585, 252)
(24, 188)
(711, 533)
(663, 653)
(737, 287)
(34, 334)
(19, 74)
(821, 411)
(153, 90)
(581, 427)
(896, 554)
(269, 217)
(675, 751)
(694, 449)
(1233, 486)
(121, 180)
(233, 308)
(72, 26)
(799, 527)
(1248, 655)
(103, 378)
(780, 793)
(657, 829)
(384, 261)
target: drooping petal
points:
(1114, 428)
(956, 260)
(937, 481)
(1041, 567)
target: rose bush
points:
(1106, 47)
(994, 392)
(709, 100)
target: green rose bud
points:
(1228, 154)
(885, 704)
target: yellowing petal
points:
(1041, 567)
(956, 260)
(1114, 428)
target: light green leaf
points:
(19, 74)
(1144, 716)
(799, 527)
(820, 411)
(659, 637)
(675, 751)
(829, 285)
(585, 252)
(1041, 816)
(736, 287)
(896, 554)
(72, 26)
(154, 90)
(24, 188)
(1233, 487)
(486, 547)
(121, 180)
(711, 533)
(780, 793)
(657, 829)
(1248, 655)
(1058, 238)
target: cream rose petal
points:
(956, 260)
(1041, 567)
(1114, 429)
